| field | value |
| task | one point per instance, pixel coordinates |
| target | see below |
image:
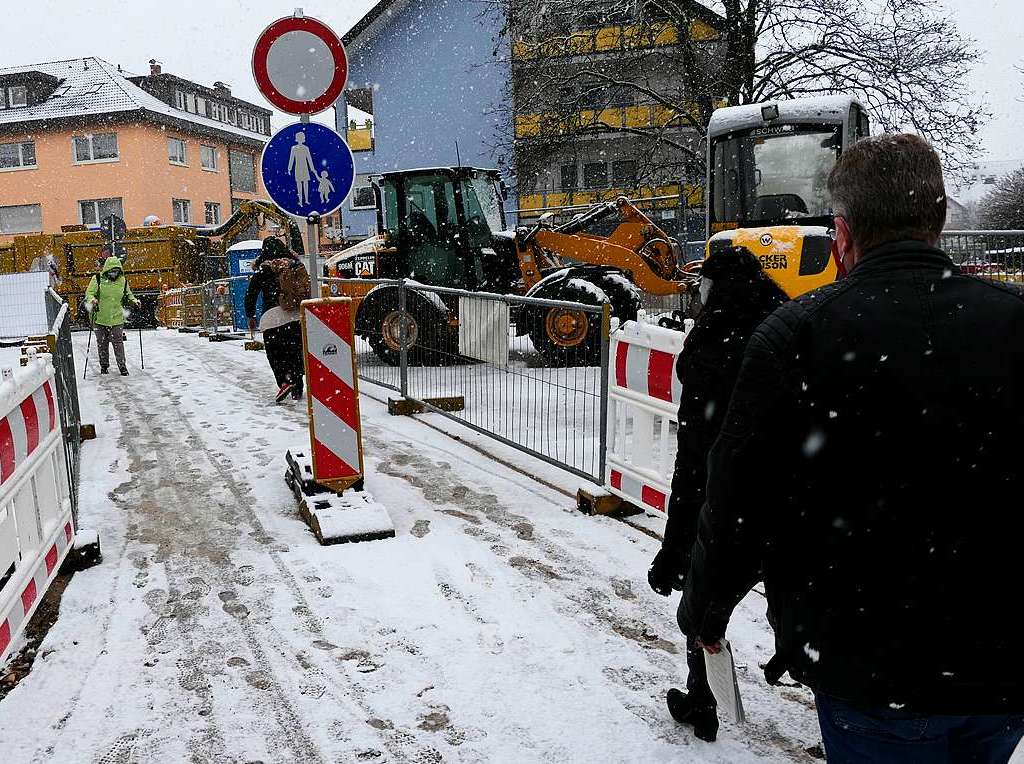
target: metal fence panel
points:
(548, 399)
(22, 305)
(63, 359)
(434, 343)
(996, 255)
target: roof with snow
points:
(92, 87)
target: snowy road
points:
(499, 626)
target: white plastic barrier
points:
(36, 529)
(643, 403)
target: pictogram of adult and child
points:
(303, 168)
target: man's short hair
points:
(889, 188)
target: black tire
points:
(380, 323)
(622, 294)
(565, 337)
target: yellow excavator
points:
(156, 257)
(768, 167)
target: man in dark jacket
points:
(870, 460)
(737, 295)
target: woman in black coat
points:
(737, 296)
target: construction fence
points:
(489, 362)
(993, 254)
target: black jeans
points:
(697, 678)
(284, 352)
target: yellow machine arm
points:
(637, 246)
(256, 212)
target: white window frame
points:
(181, 100)
(186, 208)
(368, 177)
(96, 208)
(92, 149)
(10, 96)
(184, 152)
(21, 157)
(201, 106)
(202, 158)
(34, 230)
(211, 207)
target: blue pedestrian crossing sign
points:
(308, 169)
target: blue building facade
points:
(425, 77)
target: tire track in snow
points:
(397, 741)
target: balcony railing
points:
(635, 117)
(661, 197)
(360, 138)
(611, 38)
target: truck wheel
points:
(423, 324)
(567, 337)
(622, 294)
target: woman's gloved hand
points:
(665, 575)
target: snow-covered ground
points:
(499, 626)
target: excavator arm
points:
(637, 246)
(255, 212)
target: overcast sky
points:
(207, 40)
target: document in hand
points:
(723, 683)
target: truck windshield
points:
(773, 175)
(483, 201)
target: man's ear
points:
(848, 251)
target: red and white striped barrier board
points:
(22, 430)
(647, 371)
(335, 431)
(20, 609)
(36, 529)
(643, 403)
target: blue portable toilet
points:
(240, 259)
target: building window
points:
(624, 172)
(570, 177)
(99, 147)
(362, 193)
(595, 175)
(181, 100)
(208, 157)
(176, 151)
(212, 213)
(16, 156)
(13, 97)
(21, 218)
(243, 171)
(200, 106)
(182, 210)
(92, 211)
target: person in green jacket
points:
(106, 298)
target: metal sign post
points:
(313, 234)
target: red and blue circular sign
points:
(300, 65)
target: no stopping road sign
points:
(300, 65)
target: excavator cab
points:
(442, 226)
(768, 168)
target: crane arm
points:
(249, 212)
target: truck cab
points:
(768, 168)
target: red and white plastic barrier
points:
(36, 527)
(336, 438)
(643, 404)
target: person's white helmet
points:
(150, 221)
